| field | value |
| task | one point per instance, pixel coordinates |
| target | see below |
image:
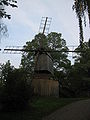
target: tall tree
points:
(82, 7)
(79, 75)
(15, 91)
(52, 41)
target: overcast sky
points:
(25, 22)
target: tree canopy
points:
(83, 59)
(52, 41)
(3, 3)
(79, 75)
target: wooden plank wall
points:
(45, 87)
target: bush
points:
(16, 92)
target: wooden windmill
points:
(43, 82)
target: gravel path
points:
(79, 110)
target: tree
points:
(15, 91)
(83, 58)
(5, 70)
(52, 41)
(82, 7)
(79, 76)
(3, 3)
(55, 42)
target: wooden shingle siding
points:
(44, 63)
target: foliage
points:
(52, 41)
(55, 42)
(83, 59)
(15, 91)
(84, 52)
(82, 7)
(3, 3)
(79, 76)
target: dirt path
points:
(76, 111)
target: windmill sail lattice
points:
(45, 25)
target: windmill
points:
(43, 82)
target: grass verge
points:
(39, 108)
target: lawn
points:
(39, 108)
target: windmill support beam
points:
(45, 25)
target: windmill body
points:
(43, 62)
(43, 82)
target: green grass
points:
(39, 108)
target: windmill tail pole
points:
(45, 25)
(41, 41)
